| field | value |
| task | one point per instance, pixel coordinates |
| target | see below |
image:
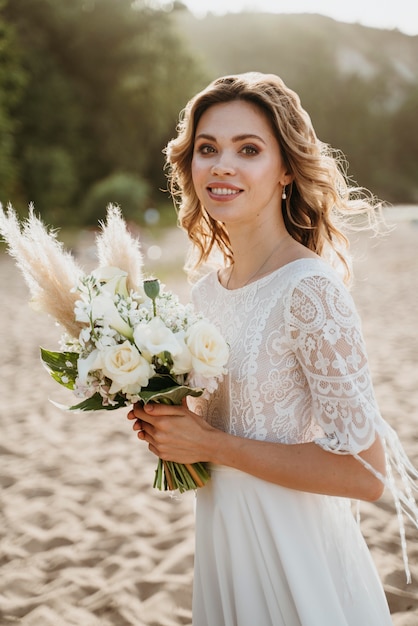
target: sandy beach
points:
(84, 538)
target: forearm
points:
(177, 434)
(304, 467)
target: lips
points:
(223, 191)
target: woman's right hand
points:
(173, 432)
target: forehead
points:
(234, 118)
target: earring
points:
(284, 193)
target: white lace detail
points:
(298, 369)
(323, 330)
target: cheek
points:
(198, 177)
(195, 169)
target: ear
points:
(286, 179)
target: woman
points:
(293, 432)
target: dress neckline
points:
(257, 281)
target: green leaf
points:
(170, 395)
(60, 361)
(62, 366)
(95, 403)
(160, 382)
(63, 380)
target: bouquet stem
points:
(194, 475)
(184, 477)
(168, 476)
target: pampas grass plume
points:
(116, 247)
(50, 272)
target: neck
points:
(251, 264)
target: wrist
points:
(219, 446)
(214, 446)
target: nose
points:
(223, 166)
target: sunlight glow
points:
(402, 14)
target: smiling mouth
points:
(224, 191)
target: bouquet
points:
(125, 339)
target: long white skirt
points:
(270, 556)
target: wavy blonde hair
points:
(319, 197)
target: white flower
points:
(182, 360)
(113, 280)
(208, 348)
(87, 364)
(126, 368)
(154, 338)
(86, 389)
(82, 311)
(84, 336)
(209, 385)
(103, 308)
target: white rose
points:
(126, 368)
(113, 280)
(103, 307)
(208, 348)
(154, 337)
(182, 360)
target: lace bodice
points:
(298, 369)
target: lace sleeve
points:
(324, 330)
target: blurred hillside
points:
(271, 41)
(359, 84)
(90, 92)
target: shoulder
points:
(314, 273)
(203, 281)
(316, 291)
(204, 285)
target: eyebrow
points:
(236, 139)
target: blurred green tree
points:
(126, 190)
(12, 80)
(106, 79)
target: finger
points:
(131, 415)
(138, 409)
(137, 425)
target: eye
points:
(205, 149)
(249, 150)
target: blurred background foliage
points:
(90, 92)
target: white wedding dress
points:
(267, 555)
